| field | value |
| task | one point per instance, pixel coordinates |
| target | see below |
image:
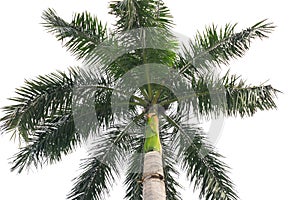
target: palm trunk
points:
(153, 175)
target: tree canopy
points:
(139, 64)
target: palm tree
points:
(151, 135)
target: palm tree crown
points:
(133, 71)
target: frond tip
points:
(204, 168)
(222, 44)
(80, 36)
(231, 96)
(134, 14)
(57, 137)
(207, 172)
(39, 100)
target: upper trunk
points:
(152, 140)
(153, 175)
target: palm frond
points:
(122, 52)
(216, 46)
(222, 44)
(40, 99)
(56, 137)
(134, 14)
(228, 96)
(106, 156)
(207, 172)
(100, 169)
(49, 107)
(91, 102)
(85, 94)
(231, 96)
(94, 182)
(80, 36)
(134, 172)
(203, 165)
(170, 167)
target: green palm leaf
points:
(43, 98)
(201, 162)
(80, 36)
(108, 152)
(222, 44)
(49, 142)
(231, 96)
(99, 171)
(134, 14)
(57, 112)
(134, 172)
(170, 169)
(219, 45)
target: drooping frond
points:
(85, 94)
(201, 162)
(91, 104)
(94, 182)
(106, 158)
(207, 172)
(134, 172)
(222, 44)
(100, 169)
(80, 36)
(44, 98)
(47, 115)
(171, 172)
(134, 14)
(50, 141)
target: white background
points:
(262, 150)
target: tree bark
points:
(153, 175)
